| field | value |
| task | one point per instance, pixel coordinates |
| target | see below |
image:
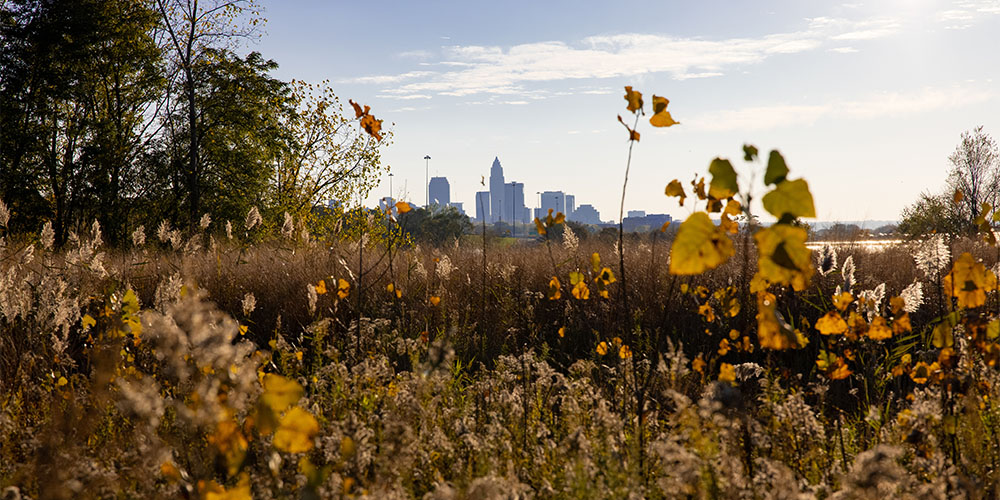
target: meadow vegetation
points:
(180, 317)
(236, 361)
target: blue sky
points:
(866, 100)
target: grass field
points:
(292, 369)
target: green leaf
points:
(776, 168)
(749, 152)
(723, 179)
(792, 198)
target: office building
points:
(570, 204)
(636, 213)
(586, 214)
(440, 192)
(483, 206)
(514, 210)
(457, 205)
(553, 200)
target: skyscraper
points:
(497, 192)
(570, 204)
(440, 192)
(554, 200)
(514, 206)
(483, 206)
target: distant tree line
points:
(135, 111)
(973, 184)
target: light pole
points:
(513, 206)
(427, 175)
(391, 201)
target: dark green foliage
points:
(437, 225)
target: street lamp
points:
(427, 175)
(391, 201)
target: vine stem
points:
(621, 231)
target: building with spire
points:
(497, 192)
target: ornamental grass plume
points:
(139, 237)
(253, 219)
(826, 260)
(932, 255)
(288, 227)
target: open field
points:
(291, 369)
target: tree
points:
(78, 80)
(329, 155)
(975, 172)
(193, 28)
(931, 214)
(435, 226)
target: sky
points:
(865, 100)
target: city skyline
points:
(866, 100)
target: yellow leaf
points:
(215, 491)
(723, 183)
(575, 277)
(942, 335)
(661, 117)
(243, 329)
(772, 332)
(831, 323)
(723, 347)
(562, 331)
(733, 208)
(879, 330)
(402, 207)
(435, 300)
(321, 287)
(87, 322)
(699, 246)
(169, 471)
(595, 261)
(130, 303)
(727, 373)
(783, 256)
(969, 281)
(897, 304)
(707, 312)
(634, 99)
(698, 364)
(676, 189)
(580, 291)
(624, 352)
(540, 227)
(343, 288)
(602, 348)
(790, 198)
(296, 430)
(298, 355)
(958, 197)
(280, 392)
(842, 301)
(61, 382)
(554, 289)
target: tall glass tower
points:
(496, 192)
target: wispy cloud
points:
(473, 69)
(387, 79)
(879, 105)
(963, 14)
(844, 50)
